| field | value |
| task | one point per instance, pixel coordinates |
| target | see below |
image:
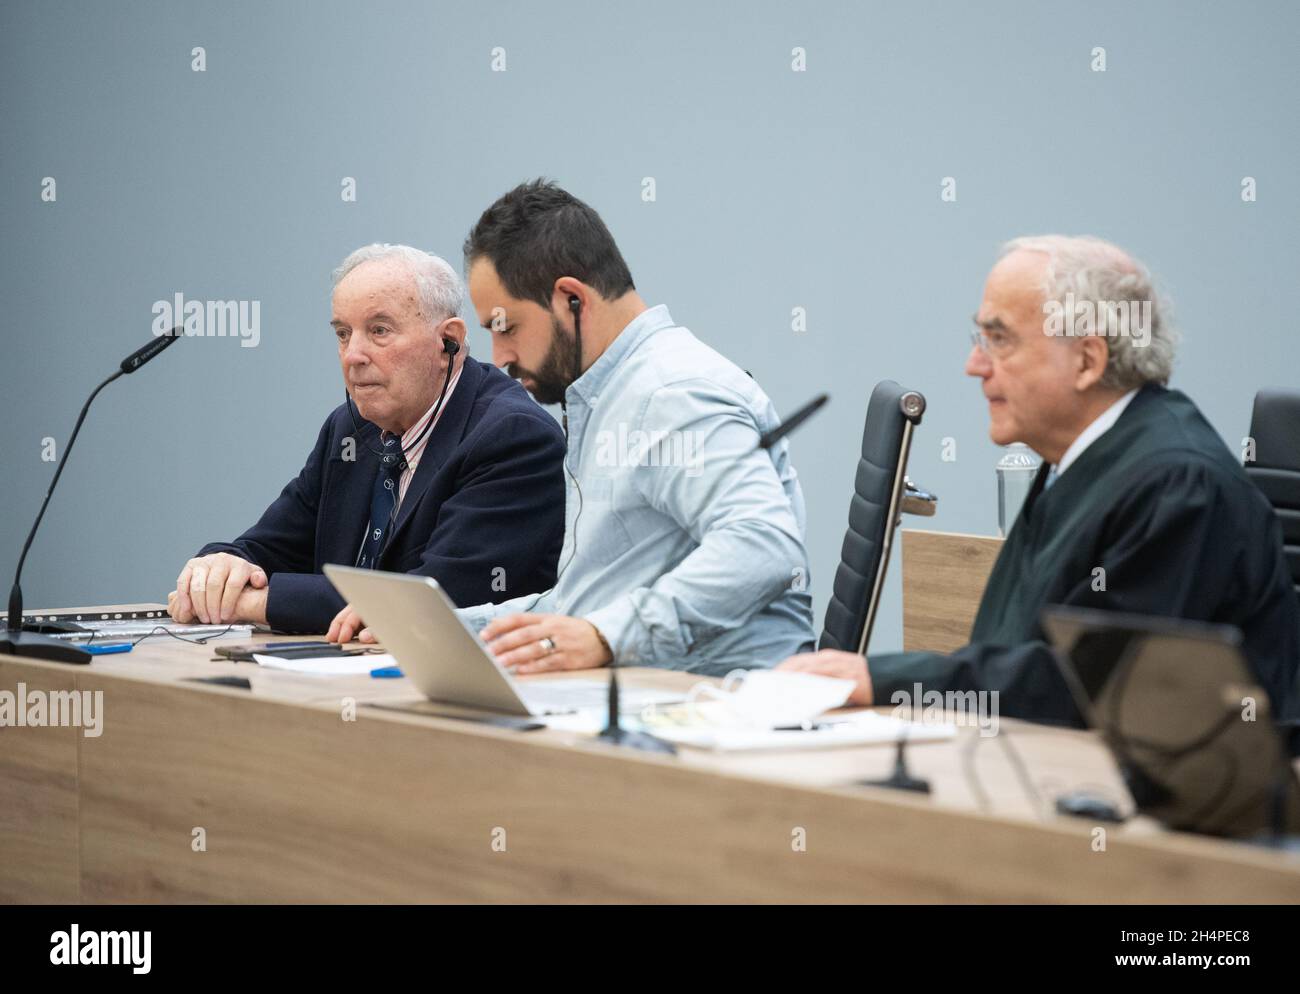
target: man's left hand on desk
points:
(347, 624)
(250, 608)
(540, 643)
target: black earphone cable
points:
(451, 347)
(575, 306)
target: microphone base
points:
(51, 627)
(900, 782)
(636, 740)
(900, 779)
(31, 645)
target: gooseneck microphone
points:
(614, 732)
(770, 438)
(33, 640)
(143, 354)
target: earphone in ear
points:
(449, 347)
(575, 308)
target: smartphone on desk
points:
(244, 652)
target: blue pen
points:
(386, 671)
(107, 648)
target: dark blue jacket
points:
(484, 514)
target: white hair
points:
(441, 291)
(1096, 272)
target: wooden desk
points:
(297, 804)
(944, 574)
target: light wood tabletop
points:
(302, 789)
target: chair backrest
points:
(874, 509)
(1275, 428)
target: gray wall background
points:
(775, 189)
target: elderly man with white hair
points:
(435, 464)
(1138, 507)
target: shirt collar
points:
(589, 384)
(412, 433)
(1104, 422)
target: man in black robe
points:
(1138, 507)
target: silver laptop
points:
(417, 622)
(1176, 703)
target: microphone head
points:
(774, 435)
(147, 351)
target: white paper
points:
(579, 694)
(332, 665)
(763, 699)
(867, 728)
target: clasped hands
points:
(219, 589)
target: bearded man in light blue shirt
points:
(684, 541)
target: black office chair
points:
(1275, 427)
(881, 493)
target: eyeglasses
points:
(996, 343)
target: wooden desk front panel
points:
(39, 854)
(943, 580)
(297, 804)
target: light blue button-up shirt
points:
(683, 542)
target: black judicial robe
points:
(1159, 503)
